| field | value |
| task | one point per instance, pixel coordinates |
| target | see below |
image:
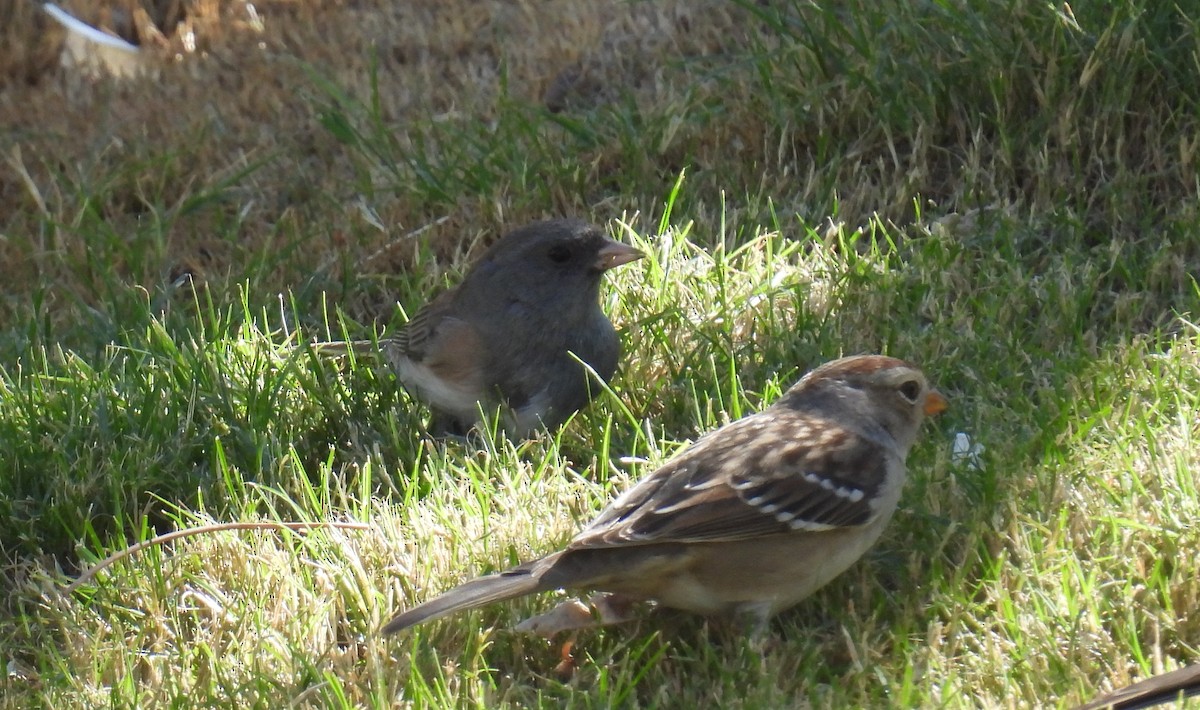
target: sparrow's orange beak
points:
(614, 253)
(935, 403)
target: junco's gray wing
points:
(410, 341)
(444, 359)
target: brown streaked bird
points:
(751, 518)
(1160, 689)
(509, 333)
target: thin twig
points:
(215, 527)
(413, 234)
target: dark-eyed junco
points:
(1157, 690)
(753, 517)
(510, 332)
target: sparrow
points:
(509, 334)
(752, 517)
(1166, 688)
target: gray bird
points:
(508, 335)
(753, 517)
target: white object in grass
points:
(966, 453)
(93, 51)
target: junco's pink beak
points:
(614, 253)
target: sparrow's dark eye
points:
(910, 390)
(559, 254)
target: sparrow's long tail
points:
(1165, 688)
(516, 582)
(334, 348)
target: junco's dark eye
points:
(559, 254)
(910, 390)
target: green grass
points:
(1005, 195)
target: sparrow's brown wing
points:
(775, 472)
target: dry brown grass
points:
(126, 152)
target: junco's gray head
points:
(557, 261)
